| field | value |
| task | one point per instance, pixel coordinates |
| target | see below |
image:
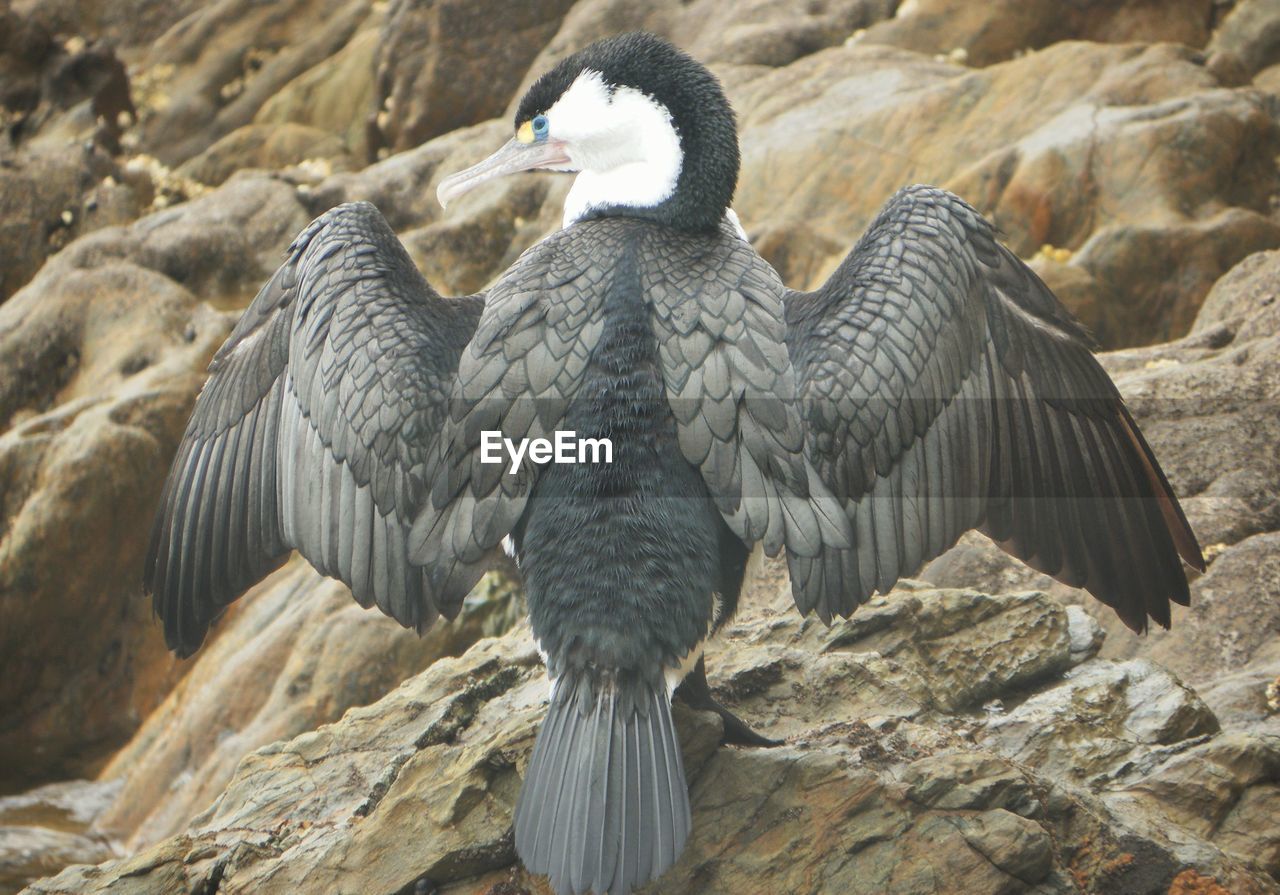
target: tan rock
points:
(266, 146)
(986, 33)
(48, 197)
(722, 33)
(1250, 33)
(1083, 147)
(100, 359)
(48, 828)
(225, 60)
(1224, 790)
(122, 23)
(415, 792)
(336, 96)
(1105, 718)
(1207, 406)
(83, 664)
(454, 63)
(295, 653)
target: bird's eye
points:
(540, 126)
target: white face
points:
(624, 146)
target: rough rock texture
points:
(215, 70)
(99, 363)
(277, 145)
(889, 780)
(1209, 403)
(940, 741)
(983, 33)
(297, 637)
(1132, 159)
(46, 829)
(48, 198)
(454, 63)
(1251, 34)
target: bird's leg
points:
(696, 693)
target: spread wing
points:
(945, 389)
(315, 431)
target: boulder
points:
(1217, 387)
(454, 63)
(335, 96)
(872, 792)
(725, 34)
(48, 197)
(46, 829)
(130, 24)
(213, 72)
(986, 33)
(1105, 152)
(295, 653)
(1250, 34)
(269, 146)
(100, 359)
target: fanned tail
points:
(605, 806)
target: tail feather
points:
(605, 806)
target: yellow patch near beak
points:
(525, 133)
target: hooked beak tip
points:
(514, 156)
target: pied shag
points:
(931, 386)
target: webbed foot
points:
(696, 693)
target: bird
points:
(931, 386)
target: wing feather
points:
(945, 388)
(314, 431)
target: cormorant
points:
(931, 386)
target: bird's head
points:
(647, 129)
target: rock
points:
(25, 45)
(45, 830)
(322, 655)
(1217, 387)
(28, 853)
(215, 71)
(336, 95)
(47, 198)
(1251, 34)
(1103, 720)
(416, 791)
(454, 63)
(1243, 304)
(1226, 790)
(722, 34)
(264, 146)
(1082, 147)
(985, 33)
(100, 359)
(124, 23)
(83, 663)
(1248, 697)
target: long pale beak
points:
(513, 157)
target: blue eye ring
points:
(540, 126)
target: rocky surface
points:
(893, 778)
(942, 740)
(1209, 402)
(984, 33)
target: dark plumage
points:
(931, 386)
